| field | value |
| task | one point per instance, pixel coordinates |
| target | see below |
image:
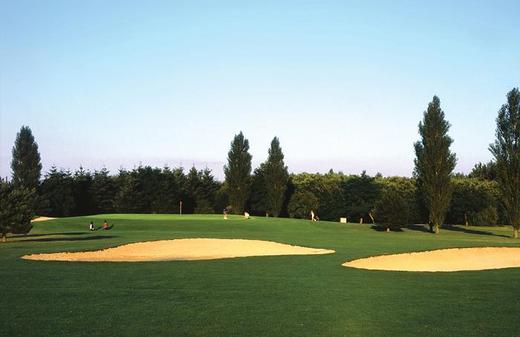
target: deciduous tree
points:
(301, 204)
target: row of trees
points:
(490, 194)
(141, 190)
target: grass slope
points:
(255, 296)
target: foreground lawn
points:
(255, 296)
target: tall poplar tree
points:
(434, 163)
(506, 151)
(238, 173)
(26, 166)
(275, 177)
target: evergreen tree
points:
(275, 178)
(207, 192)
(57, 196)
(258, 198)
(238, 173)
(170, 191)
(129, 198)
(506, 151)
(103, 191)
(191, 189)
(26, 166)
(221, 198)
(484, 171)
(16, 209)
(149, 181)
(434, 163)
(82, 192)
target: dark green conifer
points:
(238, 173)
(506, 151)
(434, 163)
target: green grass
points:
(256, 296)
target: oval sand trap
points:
(182, 249)
(453, 259)
(42, 218)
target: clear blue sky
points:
(343, 84)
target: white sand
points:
(182, 249)
(41, 218)
(454, 259)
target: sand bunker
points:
(42, 218)
(445, 260)
(182, 249)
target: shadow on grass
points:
(86, 238)
(419, 228)
(47, 234)
(381, 228)
(424, 228)
(472, 231)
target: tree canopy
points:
(434, 163)
(26, 166)
(238, 173)
(275, 178)
(506, 150)
(16, 209)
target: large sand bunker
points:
(182, 249)
(453, 259)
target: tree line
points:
(489, 195)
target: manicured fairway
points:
(254, 296)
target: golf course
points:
(287, 295)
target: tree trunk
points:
(4, 237)
(515, 233)
(436, 228)
(387, 229)
(466, 219)
(361, 220)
